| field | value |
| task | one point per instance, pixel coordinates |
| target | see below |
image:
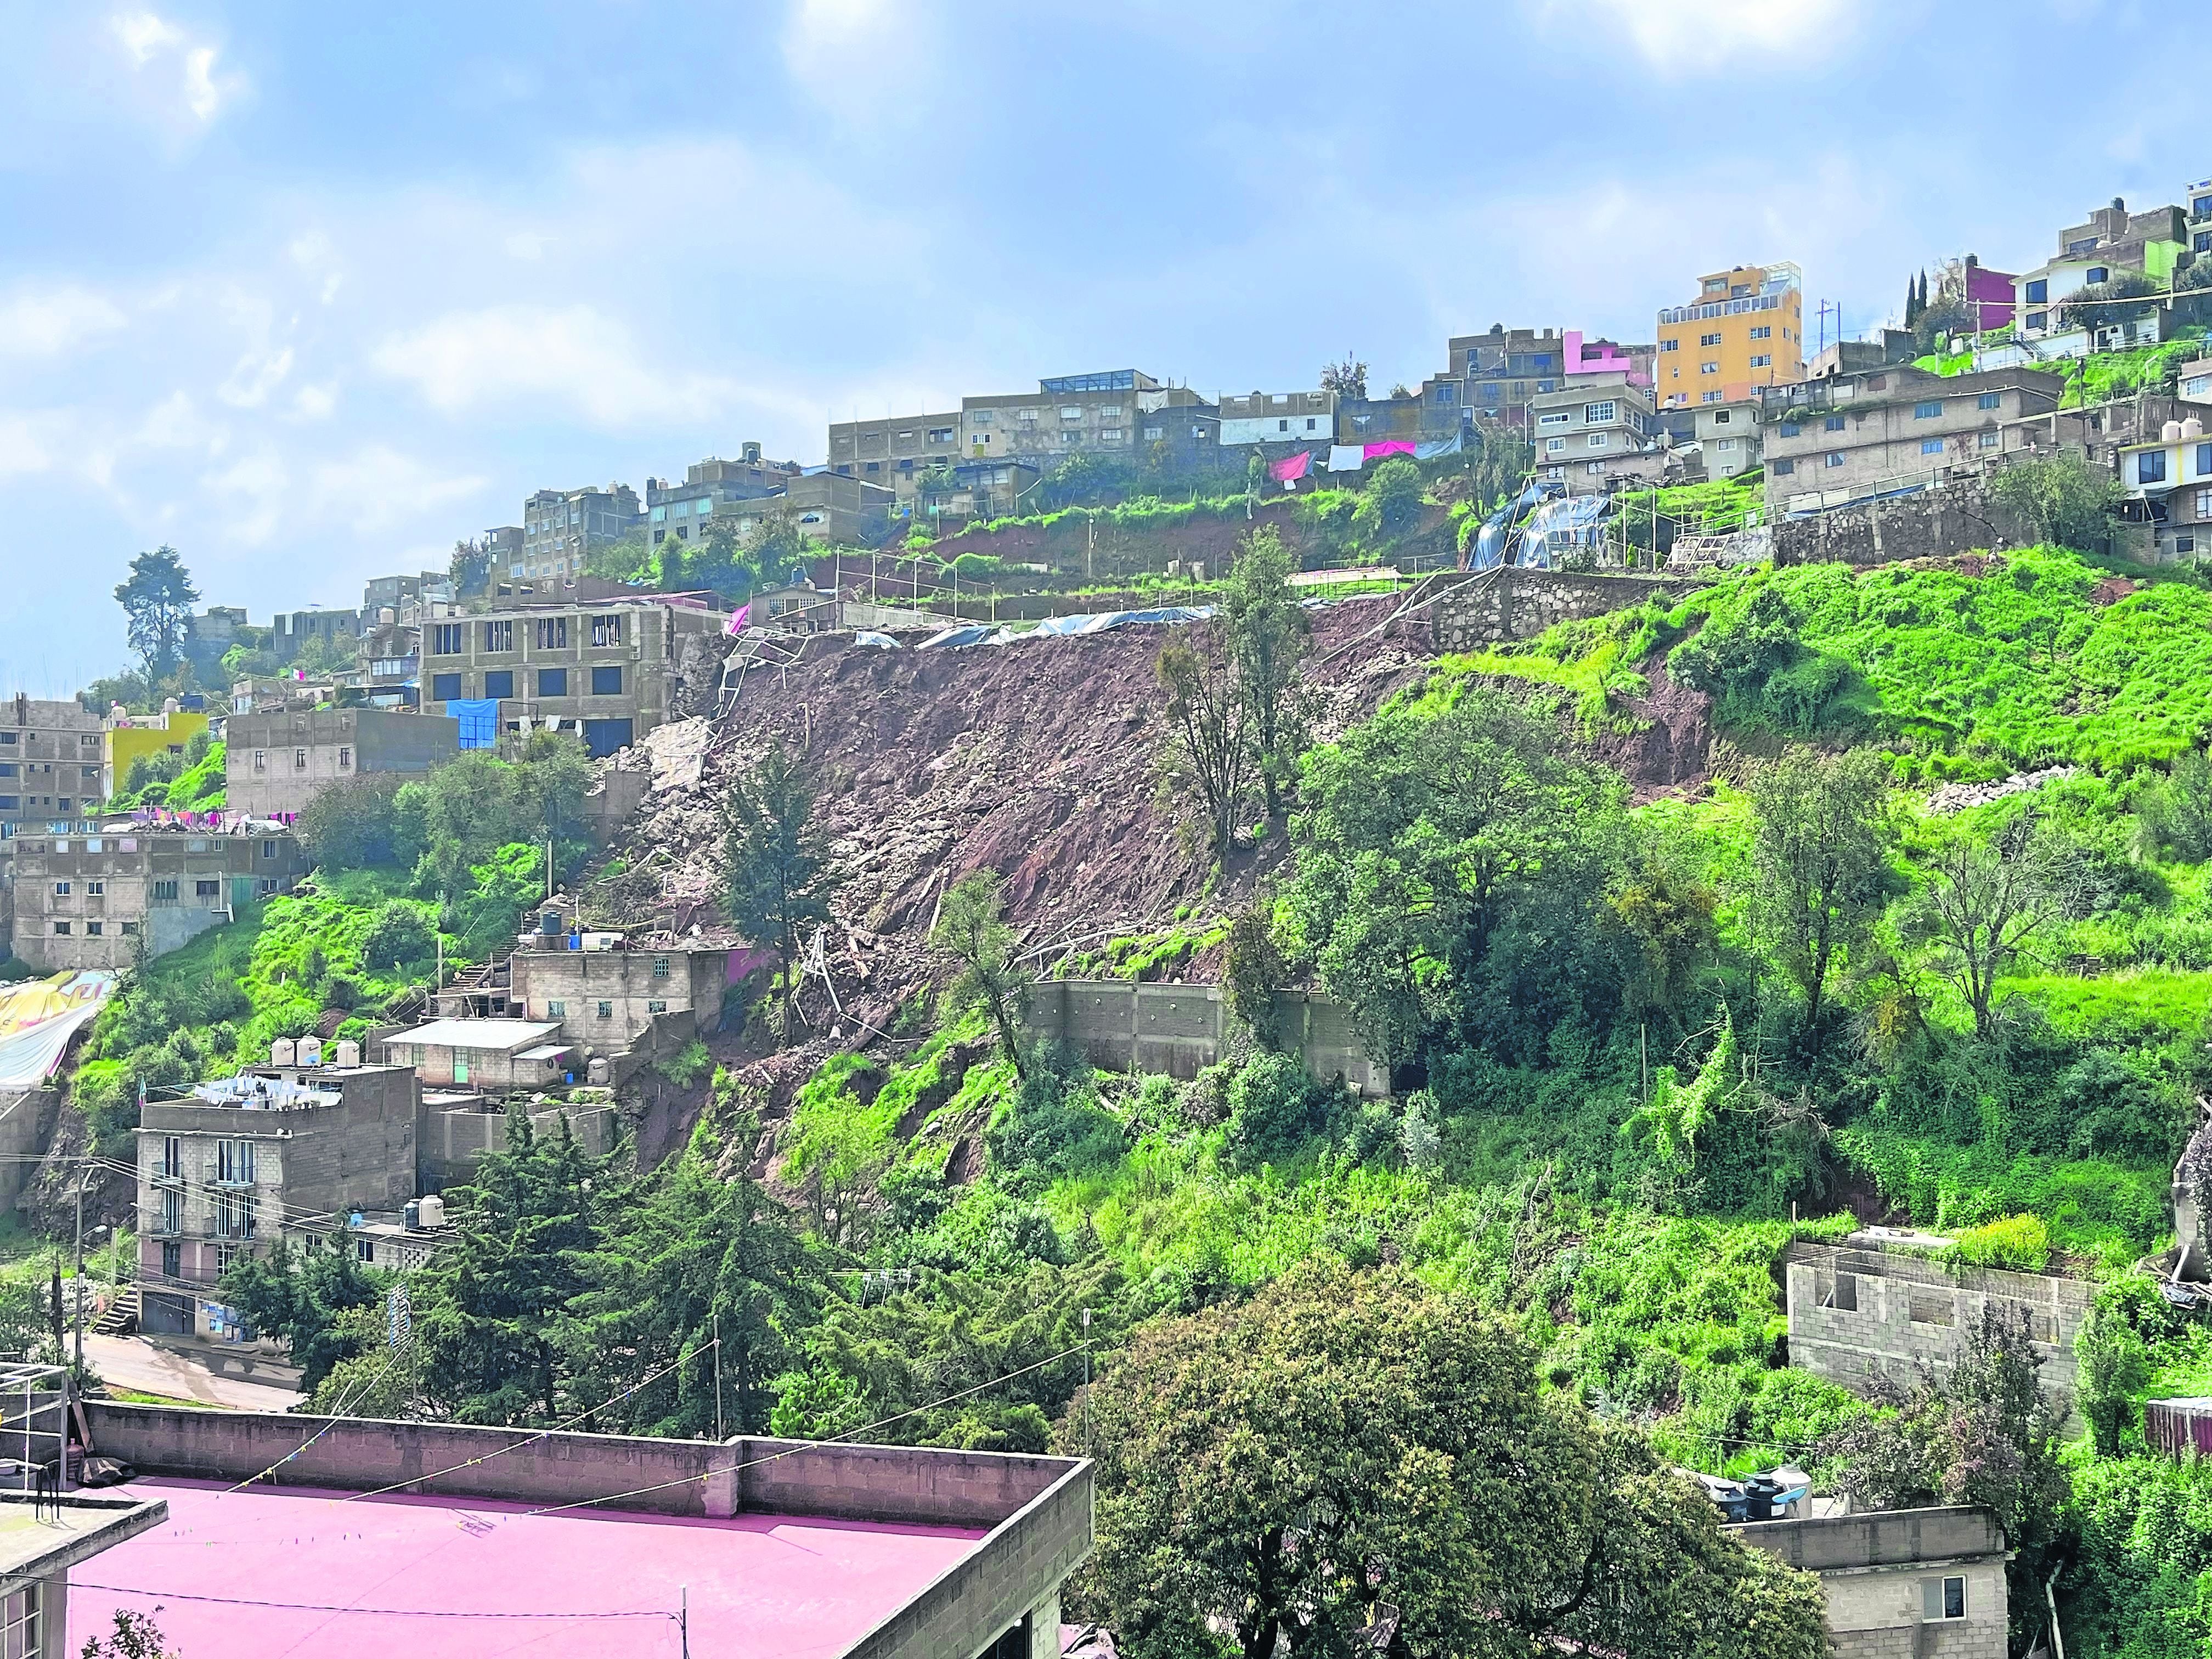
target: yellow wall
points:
(1681, 381)
(148, 734)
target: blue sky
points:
(308, 292)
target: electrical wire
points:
(378, 1612)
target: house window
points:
(61, 930)
(552, 682)
(1154, 434)
(1790, 428)
(61, 890)
(499, 636)
(268, 850)
(1763, 332)
(1708, 368)
(606, 680)
(1553, 446)
(22, 1622)
(173, 1156)
(1943, 1599)
(606, 1010)
(1928, 411)
(233, 1161)
(1721, 417)
(299, 760)
(2097, 274)
(445, 639)
(660, 967)
(1833, 423)
(1728, 446)
(1597, 440)
(556, 1009)
(1708, 339)
(2204, 460)
(1556, 417)
(1835, 457)
(1989, 440)
(499, 682)
(2184, 543)
(552, 633)
(1762, 362)
(165, 890)
(207, 889)
(261, 756)
(1990, 400)
(346, 759)
(656, 1006)
(2038, 291)
(1931, 445)
(365, 1249)
(607, 630)
(1597, 414)
(1595, 468)
(96, 888)
(2150, 466)
(1111, 434)
(93, 929)
(1711, 396)
(2038, 318)
(443, 688)
(2204, 503)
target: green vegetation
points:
(190, 782)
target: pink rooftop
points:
(762, 1586)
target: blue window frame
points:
(1990, 400)
(499, 682)
(1928, 411)
(552, 682)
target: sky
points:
(310, 292)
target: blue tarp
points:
(479, 719)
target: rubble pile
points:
(1957, 797)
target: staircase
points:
(121, 1316)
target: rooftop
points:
(76, 1528)
(279, 1570)
(509, 1034)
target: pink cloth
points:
(1291, 466)
(1388, 447)
(736, 625)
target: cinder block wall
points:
(1179, 1029)
(1498, 606)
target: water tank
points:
(171, 706)
(349, 1054)
(2192, 429)
(549, 925)
(596, 1073)
(432, 1210)
(411, 1213)
(281, 1052)
(311, 1051)
(386, 616)
(2170, 433)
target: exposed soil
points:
(1671, 753)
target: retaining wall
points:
(1180, 1029)
(1934, 524)
(1496, 607)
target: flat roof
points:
(38, 1541)
(512, 1034)
(280, 1570)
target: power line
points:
(377, 1613)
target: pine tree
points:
(157, 606)
(773, 860)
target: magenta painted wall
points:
(1606, 357)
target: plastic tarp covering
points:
(1491, 541)
(880, 642)
(38, 1018)
(1558, 526)
(479, 719)
(973, 634)
(1066, 627)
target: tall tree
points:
(1991, 895)
(470, 567)
(1823, 835)
(1267, 631)
(1347, 379)
(157, 602)
(773, 860)
(1353, 1460)
(496, 1303)
(1210, 758)
(972, 931)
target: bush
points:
(400, 934)
(1054, 1126)
(2019, 1242)
(1274, 1109)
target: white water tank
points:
(595, 1072)
(281, 1052)
(171, 706)
(349, 1054)
(2192, 429)
(433, 1211)
(311, 1051)
(2170, 433)
(386, 616)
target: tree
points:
(1989, 898)
(1210, 759)
(1912, 298)
(298, 1299)
(2174, 816)
(972, 931)
(1347, 379)
(2068, 501)
(695, 1252)
(773, 862)
(492, 1306)
(398, 933)
(352, 823)
(1267, 634)
(2196, 278)
(1392, 500)
(1821, 842)
(2115, 1368)
(1421, 831)
(1344, 1450)
(133, 1636)
(157, 600)
(2094, 305)
(469, 568)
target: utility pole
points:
(1086, 1381)
(684, 1621)
(77, 1281)
(718, 1378)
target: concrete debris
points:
(1957, 797)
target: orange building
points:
(1745, 329)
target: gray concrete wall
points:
(1910, 1311)
(1934, 524)
(276, 762)
(635, 986)
(27, 1120)
(1498, 606)
(1871, 1568)
(448, 1144)
(1179, 1029)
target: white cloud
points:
(842, 53)
(24, 448)
(377, 486)
(176, 422)
(571, 355)
(313, 252)
(257, 374)
(43, 324)
(157, 47)
(1674, 35)
(252, 487)
(315, 402)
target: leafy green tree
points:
(1678, 1113)
(1209, 760)
(1668, 917)
(493, 1307)
(470, 567)
(157, 600)
(398, 933)
(1419, 832)
(1990, 896)
(133, 1636)
(972, 933)
(298, 1298)
(2069, 501)
(1347, 379)
(353, 823)
(2174, 816)
(2115, 1368)
(695, 1250)
(1821, 850)
(1267, 631)
(1392, 500)
(1342, 1444)
(774, 862)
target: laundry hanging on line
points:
(1375, 452)
(1291, 467)
(1346, 458)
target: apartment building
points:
(2169, 480)
(1830, 441)
(1069, 414)
(608, 999)
(823, 506)
(560, 526)
(609, 670)
(231, 1165)
(2111, 241)
(275, 763)
(712, 489)
(897, 451)
(1499, 371)
(1597, 433)
(130, 738)
(1744, 330)
(1278, 417)
(1728, 437)
(52, 764)
(292, 629)
(97, 900)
